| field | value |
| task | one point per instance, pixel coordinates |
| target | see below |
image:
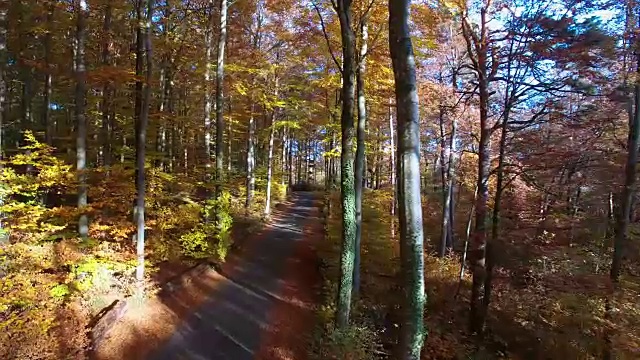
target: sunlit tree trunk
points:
(222, 40)
(251, 157)
(81, 11)
(142, 141)
(360, 150)
(392, 156)
(272, 134)
(208, 40)
(409, 195)
(347, 160)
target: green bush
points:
(211, 239)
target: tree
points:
(345, 286)
(81, 9)
(361, 142)
(222, 41)
(409, 195)
(141, 142)
(630, 187)
(482, 57)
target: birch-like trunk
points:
(409, 195)
(272, 135)
(222, 40)
(360, 150)
(208, 43)
(142, 142)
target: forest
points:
(459, 177)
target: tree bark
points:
(208, 39)
(394, 189)
(409, 195)
(629, 190)
(81, 10)
(360, 150)
(46, 111)
(222, 40)
(141, 142)
(107, 90)
(3, 100)
(347, 166)
(272, 135)
(479, 239)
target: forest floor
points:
(258, 305)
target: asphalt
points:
(233, 319)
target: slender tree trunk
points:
(3, 100)
(447, 218)
(290, 167)
(284, 156)
(409, 195)
(208, 40)
(479, 241)
(347, 164)
(81, 10)
(222, 40)
(46, 111)
(394, 189)
(628, 192)
(360, 151)
(139, 63)
(141, 143)
(445, 156)
(272, 134)
(468, 234)
(107, 89)
(251, 157)
(229, 137)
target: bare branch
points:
(326, 36)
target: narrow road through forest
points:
(259, 305)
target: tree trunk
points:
(222, 40)
(3, 100)
(272, 134)
(360, 151)
(251, 158)
(208, 43)
(141, 144)
(347, 166)
(46, 111)
(628, 192)
(283, 159)
(468, 234)
(394, 189)
(409, 195)
(107, 89)
(81, 120)
(445, 156)
(448, 211)
(479, 241)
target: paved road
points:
(232, 321)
